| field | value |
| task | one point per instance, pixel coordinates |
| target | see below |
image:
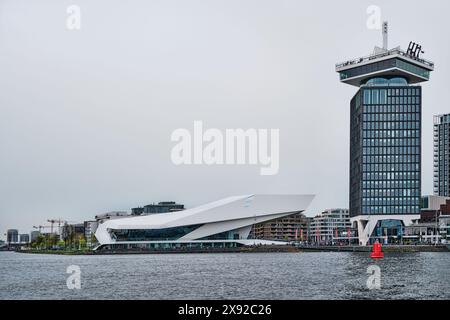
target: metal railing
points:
(381, 55)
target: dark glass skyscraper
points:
(385, 148)
(441, 155)
(385, 140)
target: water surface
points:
(315, 275)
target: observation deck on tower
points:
(388, 64)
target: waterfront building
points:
(163, 207)
(385, 138)
(441, 155)
(444, 228)
(73, 228)
(34, 235)
(12, 236)
(160, 207)
(137, 211)
(24, 238)
(434, 221)
(223, 223)
(291, 228)
(432, 206)
(428, 231)
(100, 218)
(432, 202)
(72, 233)
(330, 227)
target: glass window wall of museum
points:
(391, 148)
(173, 233)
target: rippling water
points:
(321, 275)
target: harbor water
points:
(302, 275)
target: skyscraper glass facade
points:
(441, 159)
(385, 148)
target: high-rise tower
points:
(441, 155)
(385, 138)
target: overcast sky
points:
(86, 115)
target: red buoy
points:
(376, 251)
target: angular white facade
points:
(366, 224)
(229, 219)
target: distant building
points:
(70, 232)
(331, 226)
(137, 211)
(24, 238)
(89, 232)
(429, 232)
(34, 235)
(50, 235)
(100, 218)
(441, 155)
(431, 203)
(291, 228)
(162, 207)
(430, 207)
(433, 226)
(12, 236)
(444, 228)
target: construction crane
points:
(58, 221)
(41, 227)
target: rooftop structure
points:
(392, 63)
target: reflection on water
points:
(321, 275)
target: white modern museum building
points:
(224, 223)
